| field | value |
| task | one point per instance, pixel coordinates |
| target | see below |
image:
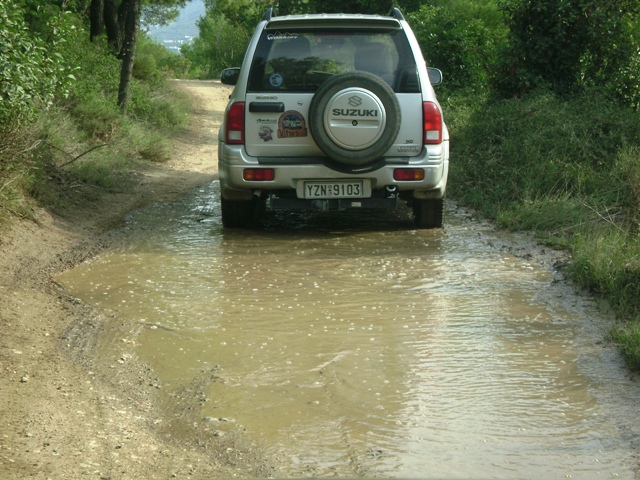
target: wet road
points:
(353, 345)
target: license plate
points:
(353, 189)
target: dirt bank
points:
(66, 411)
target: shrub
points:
(568, 46)
(33, 70)
(154, 62)
(544, 147)
(67, 134)
(463, 47)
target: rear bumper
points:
(290, 173)
(334, 204)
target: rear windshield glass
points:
(299, 61)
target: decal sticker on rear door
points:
(291, 124)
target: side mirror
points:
(435, 76)
(229, 76)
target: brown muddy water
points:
(352, 345)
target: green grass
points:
(15, 176)
(628, 337)
(607, 260)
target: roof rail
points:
(271, 12)
(396, 13)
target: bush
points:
(462, 47)
(154, 62)
(568, 46)
(33, 70)
(543, 147)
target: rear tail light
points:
(259, 174)
(432, 119)
(408, 174)
(234, 125)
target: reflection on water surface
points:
(354, 345)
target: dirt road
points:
(66, 412)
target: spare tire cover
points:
(354, 118)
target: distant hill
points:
(182, 30)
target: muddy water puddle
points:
(350, 345)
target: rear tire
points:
(240, 213)
(428, 212)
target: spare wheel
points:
(354, 118)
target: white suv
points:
(332, 112)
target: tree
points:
(128, 51)
(121, 22)
(219, 45)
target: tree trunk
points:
(131, 30)
(113, 21)
(122, 24)
(96, 19)
(105, 15)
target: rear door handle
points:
(261, 107)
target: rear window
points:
(299, 61)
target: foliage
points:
(120, 20)
(151, 108)
(219, 45)
(462, 46)
(154, 62)
(238, 14)
(68, 131)
(92, 99)
(158, 13)
(34, 69)
(544, 146)
(486, 11)
(569, 45)
(224, 34)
